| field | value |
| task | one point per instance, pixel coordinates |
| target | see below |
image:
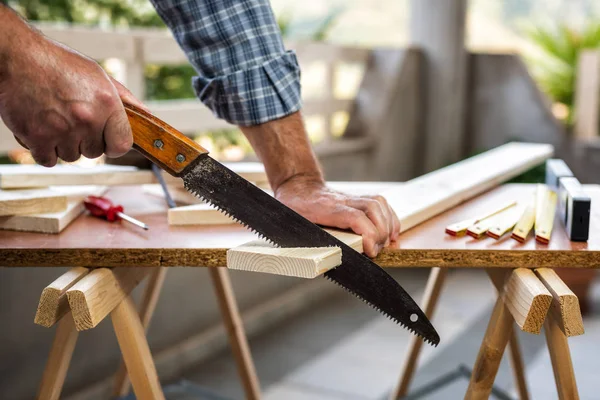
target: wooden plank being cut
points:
(35, 201)
(30, 176)
(303, 262)
(429, 195)
(54, 222)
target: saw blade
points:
(272, 220)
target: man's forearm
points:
(284, 148)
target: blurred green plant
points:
(556, 69)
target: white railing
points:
(330, 78)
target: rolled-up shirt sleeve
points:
(245, 75)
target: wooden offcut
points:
(34, 201)
(301, 262)
(54, 222)
(527, 299)
(53, 303)
(565, 304)
(94, 297)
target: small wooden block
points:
(97, 294)
(527, 299)
(565, 304)
(502, 225)
(544, 217)
(198, 214)
(35, 201)
(524, 224)
(460, 228)
(305, 262)
(57, 221)
(479, 229)
(53, 301)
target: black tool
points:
(574, 204)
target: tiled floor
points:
(345, 350)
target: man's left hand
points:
(369, 216)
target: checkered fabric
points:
(245, 76)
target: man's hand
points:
(57, 102)
(297, 181)
(369, 216)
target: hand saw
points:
(214, 183)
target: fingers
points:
(118, 138)
(377, 214)
(361, 224)
(392, 218)
(45, 156)
(68, 150)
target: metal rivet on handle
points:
(180, 158)
(158, 144)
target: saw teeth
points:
(229, 215)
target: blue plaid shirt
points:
(245, 76)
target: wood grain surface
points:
(93, 242)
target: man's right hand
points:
(57, 102)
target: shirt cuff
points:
(254, 96)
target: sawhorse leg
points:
(560, 355)
(135, 350)
(490, 353)
(59, 359)
(434, 285)
(235, 329)
(151, 295)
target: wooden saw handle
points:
(160, 142)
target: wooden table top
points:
(90, 241)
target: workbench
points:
(91, 242)
(94, 243)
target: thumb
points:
(126, 96)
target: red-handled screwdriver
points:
(104, 208)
